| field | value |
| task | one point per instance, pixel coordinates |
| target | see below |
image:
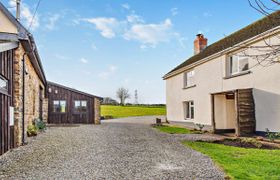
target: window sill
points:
(188, 87)
(189, 120)
(236, 75)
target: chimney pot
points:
(200, 43)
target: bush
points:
(200, 126)
(40, 125)
(32, 130)
(252, 141)
(271, 135)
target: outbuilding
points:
(70, 106)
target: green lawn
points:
(128, 111)
(241, 163)
(173, 129)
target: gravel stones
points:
(117, 149)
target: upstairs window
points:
(80, 106)
(3, 85)
(189, 109)
(238, 64)
(189, 79)
(59, 106)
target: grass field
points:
(129, 111)
(242, 163)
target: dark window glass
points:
(59, 106)
(80, 106)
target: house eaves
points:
(261, 26)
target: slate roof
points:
(250, 31)
(73, 90)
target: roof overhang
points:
(266, 34)
(74, 90)
(32, 52)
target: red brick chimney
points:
(200, 43)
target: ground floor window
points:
(80, 106)
(59, 106)
(189, 109)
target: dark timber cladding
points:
(6, 101)
(70, 106)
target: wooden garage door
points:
(6, 132)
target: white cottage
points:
(231, 85)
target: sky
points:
(98, 46)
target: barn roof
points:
(250, 31)
(73, 90)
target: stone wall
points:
(96, 111)
(32, 97)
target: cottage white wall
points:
(6, 25)
(209, 78)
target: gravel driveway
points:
(117, 149)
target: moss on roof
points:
(254, 29)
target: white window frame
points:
(189, 79)
(188, 108)
(239, 71)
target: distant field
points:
(128, 111)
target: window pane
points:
(190, 78)
(192, 112)
(63, 106)
(56, 107)
(233, 64)
(187, 110)
(3, 84)
(243, 64)
(77, 104)
(84, 103)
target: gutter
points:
(23, 99)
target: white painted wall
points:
(209, 78)
(6, 25)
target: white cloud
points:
(126, 6)
(133, 18)
(174, 11)
(83, 60)
(105, 25)
(110, 71)
(93, 46)
(134, 28)
(27, 15)
(52, 21)
(150, 34)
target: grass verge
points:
(174, 129)
(129, 111)
(242, 163)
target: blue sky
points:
(98, 46)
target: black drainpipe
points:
(23, 99)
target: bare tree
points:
(265, 7)
(123, 94)
(269, 53)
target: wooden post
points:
(237, 125)
(213, 112)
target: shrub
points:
(272, 135)
(31, 130)
(40, 125)
(200, 126)
(252, 141)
